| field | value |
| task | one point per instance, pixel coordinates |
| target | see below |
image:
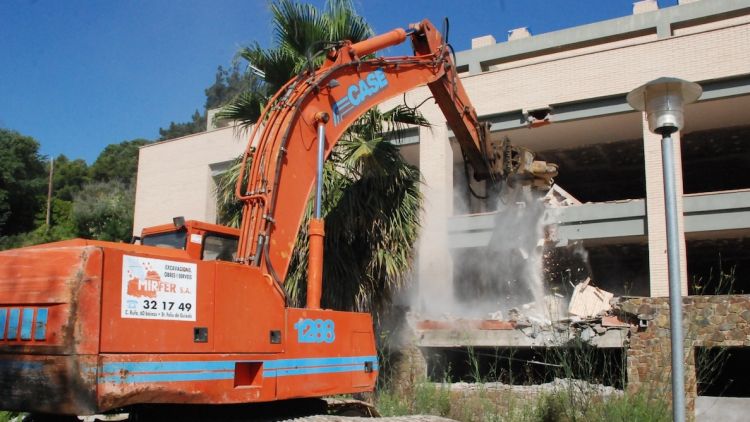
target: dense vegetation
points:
(92, 201)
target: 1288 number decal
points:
(315, 331)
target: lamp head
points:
(663, 101)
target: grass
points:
(481, 405)
(566, 400)
(6, 416)
(425, 398)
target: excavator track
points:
(324, 409)
(315, 410)
(410, 418)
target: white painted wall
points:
(174, 176)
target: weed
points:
(425, 398)
(6, 416)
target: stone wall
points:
(708, 321)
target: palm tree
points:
(371, 198)
(301, 30)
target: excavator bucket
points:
(517, 165)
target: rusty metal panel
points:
(48, 384)
(49, 307)
(126, 379)
(50, 299)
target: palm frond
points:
(344, 23)
(401, 115)
(228, 208)
(245, 108)
(278, 64)
(298, 26)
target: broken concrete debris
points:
(588, 301)
(588, 316)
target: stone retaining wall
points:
(708, 321)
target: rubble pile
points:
(558, 384)
(588, 315)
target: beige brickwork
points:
(655, 213)
(174, 177)
(434, 262)
(707, 55)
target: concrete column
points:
(435, 269)
(656, 220)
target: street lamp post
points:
(663, 100)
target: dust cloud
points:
(503, 278)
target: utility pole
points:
(49, 191)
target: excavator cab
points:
(202, 241)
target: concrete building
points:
(178, 177)
(577, 80)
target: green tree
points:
(175, 130)
(69, 176)
(228, 84)
(22, 182)
(371, 196)
(104, 211)
(118, 162)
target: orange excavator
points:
(87, 327)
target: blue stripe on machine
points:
(13, 323)
(40, 329)
(27, 321)
(209, 365)
(21, 365)
(225, 365)
(3, 320)
(169, 377)
(315, 370)
(219, 370)
(295, 363)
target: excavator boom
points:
(283, 144)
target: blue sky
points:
(79, 75)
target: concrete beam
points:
(717, 211)
(703, 212)
(598, 107)
(612, 338)
(659, 21)
(407, 136)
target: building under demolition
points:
(562, 94)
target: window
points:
(171, 240)
(219, 248)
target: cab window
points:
(171, 240)
(219, 248)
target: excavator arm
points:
(321, 105)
